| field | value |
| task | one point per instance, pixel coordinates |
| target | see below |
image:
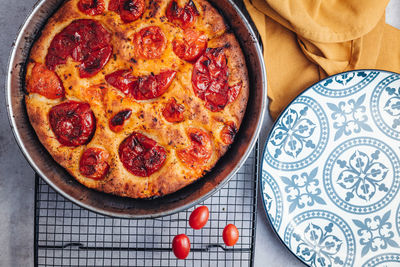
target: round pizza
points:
(136, 98)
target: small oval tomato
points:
(199, 217)
(230, 235)
(181, 246)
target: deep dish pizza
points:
(137, 98)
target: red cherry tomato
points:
(122, 80)
(144, 87)
(182, 16)
(181, 246)
(191, 47)
(230, 235)
(199, 217)
(141, 155)
(173, 112)
(210, 79)
(150, 42)
(117, 121)
(200, 150)
(73, 123)
(152, 86)
(86, 41)
(91, 7)
(228, 132)
(131, 10)
(95, 62)
(45, 82)
(93, 163)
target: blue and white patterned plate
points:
(330, 174)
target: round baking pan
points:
(111, 205)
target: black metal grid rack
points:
(68, 235)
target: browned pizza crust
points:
(146, 115)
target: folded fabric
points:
(306, 41)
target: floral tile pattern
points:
(293, 133)
(302, 190)
(299, 136)
(375, 233)
(321, 238)
(331, 172)
(362, 175)
(350, 117)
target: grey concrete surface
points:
(17, 179)
(16, 176)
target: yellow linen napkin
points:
(306, 41)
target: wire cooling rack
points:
(68, 235)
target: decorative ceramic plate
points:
(331, 171)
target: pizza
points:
(136, 98)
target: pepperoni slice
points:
(210, 80)
(200, 150)
(117, 121)
(141, 155)
(173, 112)
(141, 88)
(228, 133)
(73, 123)
(45, 82)
(183, 17)
(129, 10)
(192, 46)
(93, 163)
(91, 7)
(86, 41)
(150, 42)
